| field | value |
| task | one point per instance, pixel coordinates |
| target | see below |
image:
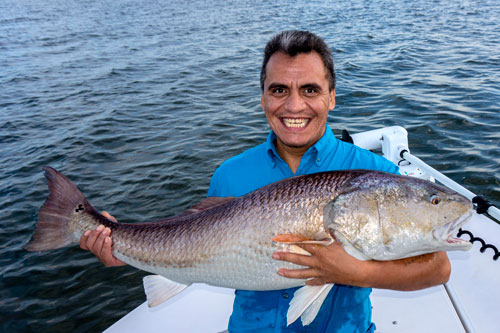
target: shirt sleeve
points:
(214, 187)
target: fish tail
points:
(53, 230)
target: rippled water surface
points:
(139, 101)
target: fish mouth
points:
(448, 231)
(295, 123)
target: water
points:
(139, 101)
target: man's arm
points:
(331, 264)
(98, 241)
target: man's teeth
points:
(295, 122)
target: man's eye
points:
(310, 91)
(278, 91)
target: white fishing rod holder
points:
(392, 141)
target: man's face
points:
(296, 98)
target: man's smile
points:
(295, 122)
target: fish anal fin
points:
(306, 303)
(159, 289)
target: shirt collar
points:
(320, 149)
(325, 145)
(272, 153)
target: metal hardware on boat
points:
(482, 204)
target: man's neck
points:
(291, 155)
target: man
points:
(298, 90)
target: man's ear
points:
(262, 101)
(331, 106)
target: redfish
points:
(229, 242)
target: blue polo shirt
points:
(347, 308)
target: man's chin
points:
(296, 144)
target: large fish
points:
(229, 242)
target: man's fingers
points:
(92, 238)
(306, 273)
(83, 240)
(100, 244)
(106, 255)
(294, 258)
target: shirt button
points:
(319, 159)
(285, 295)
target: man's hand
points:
(331, 264)
(327, 264)
(99, 243)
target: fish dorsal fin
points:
(159, 289)
(306, 303)
(205, 204)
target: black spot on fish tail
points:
(79, 208)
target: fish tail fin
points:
(53, 228)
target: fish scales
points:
(228, 234)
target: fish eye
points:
(435, 199)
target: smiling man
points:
(298, 91)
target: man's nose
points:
(294, 102)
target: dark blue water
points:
(139, 101)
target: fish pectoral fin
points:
(290, 238)
(159, 289)
(349, 248)
(297, 239)
(306, 303)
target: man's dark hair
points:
(293, 42)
